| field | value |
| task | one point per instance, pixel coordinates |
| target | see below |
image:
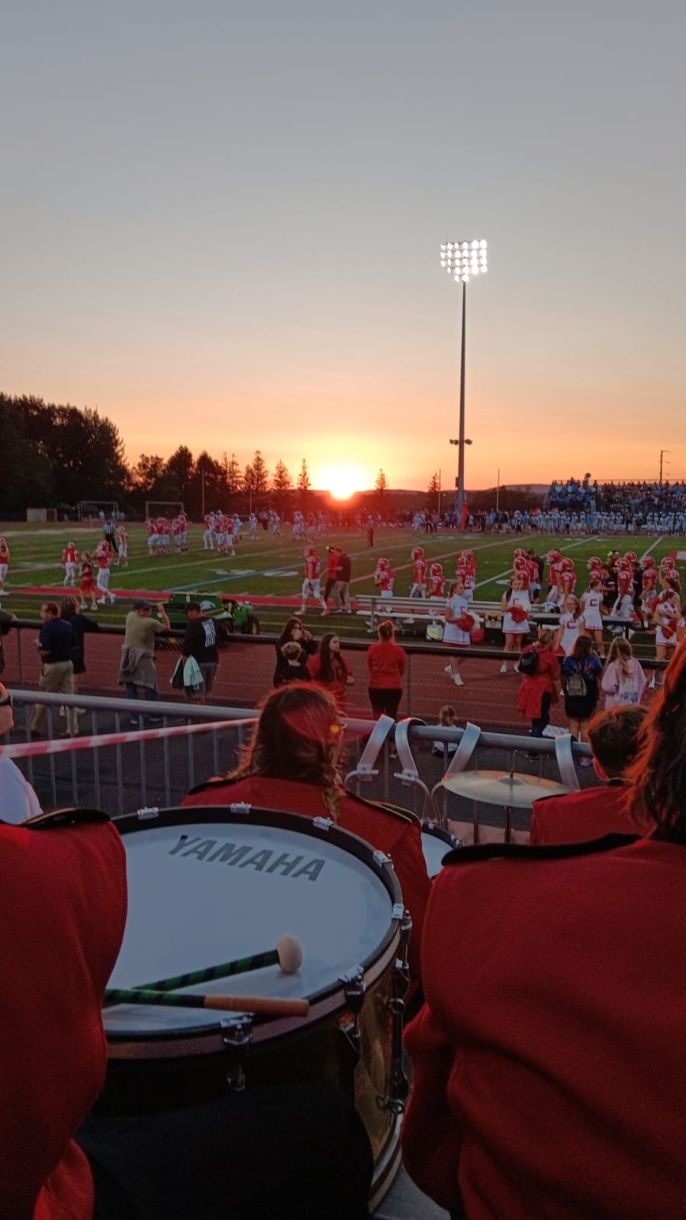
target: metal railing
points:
(153, 769)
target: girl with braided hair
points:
(292, 763)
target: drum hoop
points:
(439, 832)
(208, 1037)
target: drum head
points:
(208, 885)
(436, 843)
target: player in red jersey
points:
(311, 586)
(567, 579)
(418, 588)
(384, 577)
(103, 556)
(86, 582)
(554, 594)
(466, 572)
(436, 580)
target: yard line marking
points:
(652, 548)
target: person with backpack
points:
(540, 672)
(623, 679)
(581, 686)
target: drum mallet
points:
(270, 1006)
(288, 955)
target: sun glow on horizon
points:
(341, 479)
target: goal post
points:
(98, 510)
(162, 508)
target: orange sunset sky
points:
(223, 230)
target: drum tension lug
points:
(236, 1036)
(355, 988)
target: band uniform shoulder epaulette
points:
(60, 818)
(525, 851)
(405, 815)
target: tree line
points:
(56, 456)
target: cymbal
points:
(501, 788)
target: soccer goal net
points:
(162, 508)
(98, 510)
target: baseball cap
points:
(206, 606)
(141, 604)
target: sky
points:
(221, 226)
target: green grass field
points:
(274, 565)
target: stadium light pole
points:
(463, 260)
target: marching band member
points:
(293, 763)
(570, 1104)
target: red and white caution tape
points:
(31, 749)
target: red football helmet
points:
(631, 556)
(383, 562)
(594, 562)
(567, 565)
(648, 562)
(309, 550)
(417, 552)
(553, 557)
(437, 569)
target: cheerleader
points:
(86, 582)
(4, 562)
(516, 608)
(591, 616)
(458, 624)
(436, 580)
(418, 588)
(570, 625)
(668, 620)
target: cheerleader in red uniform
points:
(668, 620)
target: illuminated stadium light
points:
(463, 260)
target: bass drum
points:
(210, 885)
(436, 843)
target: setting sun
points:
(341, 479)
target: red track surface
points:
(488, 697)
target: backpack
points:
(528, 663)
(575, 685)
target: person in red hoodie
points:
(386, 665)
(292, 764)
(549, 1075)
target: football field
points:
(273, 566)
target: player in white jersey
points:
(252, 526)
